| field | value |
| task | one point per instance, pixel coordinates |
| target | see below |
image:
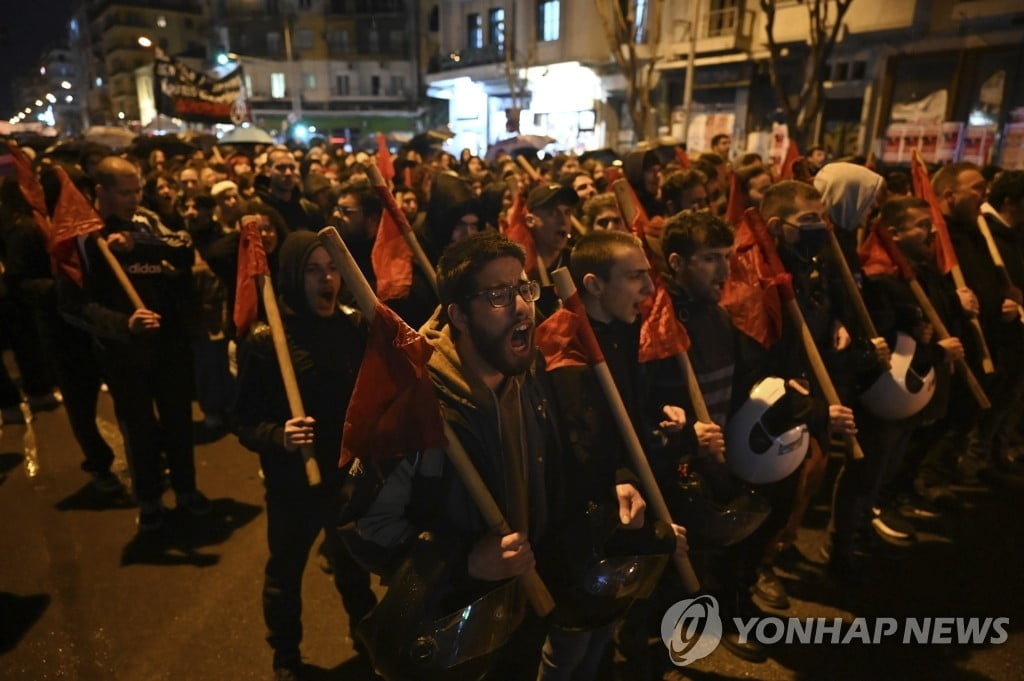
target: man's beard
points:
(494, 349)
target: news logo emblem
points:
(691, 629)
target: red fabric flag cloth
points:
(73, 216)
(30, 188)
(566, 338)
(391, 255)
(787, 171)
(252, 262)
(752, 294)
(682, 157)
(384, 162)
(945, 255)
(737, 201)
(661, 333)
(874, 258)
(558, 339)
(394, 410)
(612, 173)
(521, 234)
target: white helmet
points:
(900, 392)
(763, 442)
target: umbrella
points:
(429, 141)
(247, 135)
(520, 143)
(171, 145)
(162, 124)
(67, 150)
(110, 135)
(607, 156)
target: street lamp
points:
(39, 102)
(65, 85)
(145, 42)
(50, 98)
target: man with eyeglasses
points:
(486, 374)
(284, 192)
(356, 216)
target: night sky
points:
(29, 29)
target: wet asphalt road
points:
(83, 598)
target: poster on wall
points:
(930, 135)
(1012, 157)
(950, 138)
(703, 127)
(893, 146)
(978, 143)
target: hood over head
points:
(291, 266)
(848, 191)
(450, 198)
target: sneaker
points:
(12, 416)
(918, 507)
(195, 502)
(107, 483)
(769, 589)
(892, 527)
(45, 402)
(151, 516)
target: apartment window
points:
(496, 28)
(274, 42)
(248, 85)
(277, 86)
(373, 37)
(339, 40)
(341, 84)
(547, 20)
(304, 39)
(474, 30)
(374, 85)
(398, 85)
(309, 81)
(640, 29)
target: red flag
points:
(753, 292)
(384, 162)
(30, 188)
(391, 255)
(874, 259)
(737, 202)
(394, 410)
(682, 157)
(945, 255)
(661, 333)
(612, 173)
(252, 262)
(892, 252)
(792, 154)
(566, 338)
(73, 216)
(407, 176)
(521, 234)
(558, 339)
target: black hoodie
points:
(633, 167)
(326, 353)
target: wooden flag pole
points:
(119, 273)
(566, 290)
(536, 591)
(284, 361)
(867, 325)
(997, 259)
(700, 406)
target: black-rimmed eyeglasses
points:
(503, 296)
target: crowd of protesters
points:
(496, 231)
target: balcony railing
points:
(470, 56)
(366, 7)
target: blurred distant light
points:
(65, 85)
(145, 42)
(120, 114)
(39, 102)
(69, 99)
(50, 98)
(161, 21)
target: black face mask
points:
(811, 242)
